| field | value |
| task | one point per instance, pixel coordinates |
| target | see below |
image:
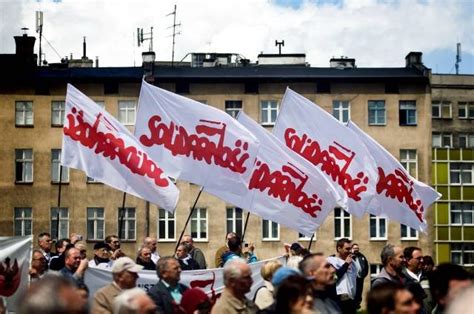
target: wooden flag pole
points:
(310, 243)
(122, 213)
(245, 226)
(189, 217)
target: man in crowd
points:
(362, 266)
(114, 245)
(124, 275)
(101, 256)
(346, 273)
(57, 261)
(45, 243)
(167, 292)
(317, 267)
(75, 267)
(39, 266)
(151, 243)
(237, 281)
(134, 301)
(391, 297)
(392, 262)
(413, 272)
(184, 258)
(195, 252)
(144, 258)
(223, 249)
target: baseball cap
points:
(282, 273)
(126, 264)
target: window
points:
(268, 112)
(375, 270)
(23, 165)
(342, 224)
(23, 221)
(378, 228)
(270, 230)
(462, 254)
(441, 110)
(166, 225)
(234, 220)
(63, 222)
(199, 224)
(407, 113)
(466, 140)
(92, 180)
(461, 173)
(407, 233)
(302, 237)
(127, 112)
(57, 113)
(442, 140)
(127, 232)
(56, 167)
(24, 113)
(233, 107)
(341, 110)
(408, 159)
(376, 112)
(95, 223)
(462, 213)
(466, 110)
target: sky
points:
(377, 33)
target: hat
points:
(192, 299)
(101, 245)
(125, 264)
(282, 273)
(296, 246)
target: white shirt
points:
(413, 275)
(100, 265)
(155, 257)
(346, 284)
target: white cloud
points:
(375, 33)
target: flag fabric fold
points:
(96, 143)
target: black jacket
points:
(163, 299)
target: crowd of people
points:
(307, 282)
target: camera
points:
(246, 244)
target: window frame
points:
(96, 219)
(406, 161)
(55, 111)
(23, 220)
(468, 109)
(24, 112)
(302, 237)
(342, 218)
(461, 250)
(270, 237)
(376, 110)
(408, 236)
(124, 112)
(378, 222)
(404, 111)
(198, 219)
(233, 220)
(127, 220)
(266, 113)
(441, 105)
(463, 208)
(166, 220)
(233, 112)
(56, 163)
(468, 139)
(62, 219)
(461, 172)
(338, 110)
(24, 161)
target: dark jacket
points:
(147, 266)
(364, 265)
(188, 263)
(163, 299)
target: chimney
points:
(413, 59)
(25, 45)
(97, 61)
(342, 63)
(84, 55)
(148, 65)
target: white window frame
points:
(270, 236)
(26, 164)
(441, 106)
(339, 220)
(267, 108)
(232, 219)
(197, 217)
(407, 161)
(378, 221)
(127, 222)
(56, 167)
(436, 140)
(468, 108)
(24, 114)
(302, 237)
(442, 140)
(461, 209)
(166, 219)
(125, 109)
(63, 222)
(375, 111)
(463, 249)
(96, 219)
(469, 169)
(378, 269)
(233, 112)
(410, 233)
(20, 216)
(468, 140)
(405, 108)
(58, 111)
(338, 109)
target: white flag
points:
(95, 142)
(328, 144)
(284, 187)
(195, 142)
(399, 196)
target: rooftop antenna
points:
(458, 57)
(39, 30)
(141, 37)
(279, 44)
(174, 32)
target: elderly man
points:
(316, 266)
(223, 249)
(237, 281)
(114, 243)
(134, 301)
(45, 243)
(167, 292)
(39, 265)
(101, 256)
(75, 267)
(150, 243)
(124, 275)
(144, 258)
(195, 252)
(392, 262)
(184, 258)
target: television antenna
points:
(174, 33)
(458, 57)
(39, 30)
(141, 37)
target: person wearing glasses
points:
(114, 243)
(413, 272)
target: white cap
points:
(125, 264)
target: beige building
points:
(392, 104)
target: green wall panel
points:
(442, 154)
(443, 213)
(442, 172)
(456, 233)
(468, 193)
(454, 154)
(468, 233)
(443, 233)
(468, 154)
(444, 192)
(455, 193)
(443, 253)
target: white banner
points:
(284, 187)
(210, 281)
(15, 256)
(95, 142)
(195, 142)
(399, 196)
(328, 144)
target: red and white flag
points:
(329, 145)
(95, 142)
(195, 142)
(399, 196)
(284, 187)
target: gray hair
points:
(233, 269)
(387, 252)
(162, 264)
(125, 303)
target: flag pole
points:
(189, 217)
(122, 213)
(310, 243)
(245, 226)
(59, 200)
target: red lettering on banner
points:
(179, 142)
(279, 184)
(111, 146)
(398, 186)
(328, 161)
